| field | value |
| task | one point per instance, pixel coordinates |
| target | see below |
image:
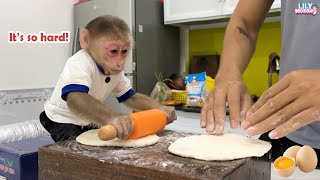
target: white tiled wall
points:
(21, 105)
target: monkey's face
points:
(110, 54)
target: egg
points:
(292, 152)
(306, 159)
(284, 166)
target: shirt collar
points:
(100, 69)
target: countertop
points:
(71, 159)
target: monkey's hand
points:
(123, 124)
(170, 113)
(141, 102)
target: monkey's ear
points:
(84, 39)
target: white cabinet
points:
(177, 11)
(276, 4)
(180, 11)
(229, 6)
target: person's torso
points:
(300, 21)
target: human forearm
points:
(241, 36)
(238, 48)
(239, 44)
(90, 108)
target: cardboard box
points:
(19, 159)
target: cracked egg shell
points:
(284, 166)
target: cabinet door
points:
(157, 47)
(229, 6)
(276, 4)
(176, 11)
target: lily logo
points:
(306, 8)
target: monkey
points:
(88, 77)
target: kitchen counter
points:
(69, 159)
(190, 122)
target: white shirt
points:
(82, 74)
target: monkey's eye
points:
(124, 51)
(114, 51)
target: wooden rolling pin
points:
(144, 123)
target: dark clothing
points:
(61, 131)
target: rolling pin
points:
(144, 123)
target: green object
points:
(9, 163)
(162, 92)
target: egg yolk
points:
(284, 163)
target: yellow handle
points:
(107, 133)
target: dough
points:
(91, 138)
(219, 147)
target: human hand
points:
(213, 112)
(170, 113)
(123, 124)
(290, 104)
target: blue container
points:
(19, 159)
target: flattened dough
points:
(91, 138)
(219, 147)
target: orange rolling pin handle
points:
(147, 122)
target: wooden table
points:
(71, 160)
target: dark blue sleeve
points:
(126, 95)
(73, 88)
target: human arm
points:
(238, 48)
(288, 105)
